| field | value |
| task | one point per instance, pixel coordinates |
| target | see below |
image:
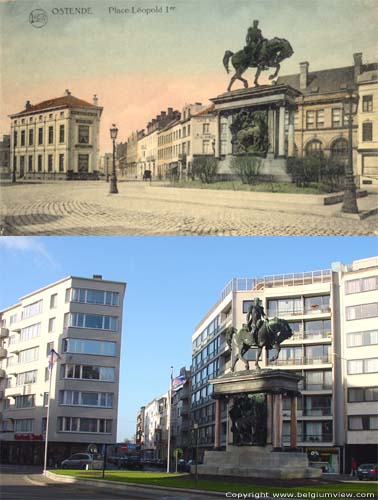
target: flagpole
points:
(169, 421)
(47, 423)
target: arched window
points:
(339, 149)
(313, 146)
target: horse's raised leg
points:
(277, 66)
(259, 351)
(258, 73)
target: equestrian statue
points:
(258, 332)
(258, 53)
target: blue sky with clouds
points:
(172, 283)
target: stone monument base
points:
(255, 461)
(272, 168)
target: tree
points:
(247, 168)
(205, 167)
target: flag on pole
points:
(52, 358)
(178, 381)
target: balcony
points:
(311, 336)
(325, 411)
(2, 373)
(301, 361)
(4, 333)
(311, 438)
(3, 353)
(317, 387)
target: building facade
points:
(155, 429)
(56, 139)
(81, 319)
(5, 156)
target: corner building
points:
(322, 350)
(82, 320)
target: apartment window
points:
(61, 133)
(92, 425)
(315, 118)
(53, 301)
(319, 303)
(339, 149)
(32, 309)
(362, 311)
(336, 117)
(88, 372)
(39, 167)
(95, 321)
(360, 366)
(316, 354)
(26, 378)
(22, 137)
(30, 332)
(362, 394)
(30, 163)
(28, 355)
(51, 135)
(317, 329)
(357, 339)
(205, 128)
(50, 163)
(52, 322)
(47, 373)
(90, 296)
(25, 401)
(83, 134)
(78, 398)
(205, 147)
(40, 136)
(83, 163)
(31, 137)
(367, 131)
(85, 346)
(363, 423)
(23, 425)
(361, 285)
(313, 147)
(61, 163)
(246, 305)
(49, 346)
(12, 361)
(367, 103)
(285, 306)
(318, 380)
(188, 129)
(15, 138)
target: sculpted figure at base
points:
(258, 53)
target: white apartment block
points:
(81, 319)
(56, 139)
(321, 310)
(155, 429)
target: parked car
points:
(130, 462)
(82, 461)
(323, 466)
(367, 471)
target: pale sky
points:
(140, 64)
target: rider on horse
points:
(255, 318)
(255, 48)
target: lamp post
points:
(349, 205)
(113, 179)
(14, 176)
(196, 432)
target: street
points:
(27, 483)
(141, 208)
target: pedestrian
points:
(353, 470)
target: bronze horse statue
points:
(274, 50)
(270, 335)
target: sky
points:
(141, 63)
(172, 282)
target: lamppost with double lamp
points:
(196, 432)
(350, 105)
(113, 179)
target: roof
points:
(66, 101)
(205, 111)
(325, 81)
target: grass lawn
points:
(276, 187)
(187, 481)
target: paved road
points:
(86, 208)
(25, 483)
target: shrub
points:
(247, 168)
(316, 168)
(205, 167)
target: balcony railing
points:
(315, 335)
(317, 387)
(324, 411)
(302, 361)
(315, 438)
(299, 311)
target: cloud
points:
(26, 244)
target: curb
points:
(33, 481)
(116, 485)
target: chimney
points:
(303, 75)
(95, 100)
(357, 65)
(67, 92)
(97, 276)
(170, 111)
(28, 105)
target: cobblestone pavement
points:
(86, 208)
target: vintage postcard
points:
(212, 117)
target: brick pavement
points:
(86, 208)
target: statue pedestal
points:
(253, 418)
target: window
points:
(339, 149)
(362, 311)
(223, 128)
(61, 133)
(362, 394)
(61, 163)
(49, 346)
(205, 128)
(15, 138)
(318, 380)
(31, 137)
(285, 306)
(246, 305)
(223, 149)
(75, 424)
(95, 321)
(317, 329)
(51, 135)
(45, 398)
(78, 398)
(84, 346)
(357, 339)
(50, 163)
(319, 303)
(40, 136)
(30, 163)
(26, 378)
(360, 366)
(367, 103)
(30, 332)
(39, 168)
(52, 322)
(28, 355)
(313, 147)
(363, 423)
(25, 401)
(367, 131)
(22, 137)
(361, 285)
(32, 309)
(83, 134)
(205, 147)
(53, 301)
(95, 296)
(336, 117)
(83, 163)
(23, 425)
(316, 354)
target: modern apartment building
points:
(180, 414)
(321, 310)
(81, 319)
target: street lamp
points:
(196, 432)
(113, 178)
(350, 105)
